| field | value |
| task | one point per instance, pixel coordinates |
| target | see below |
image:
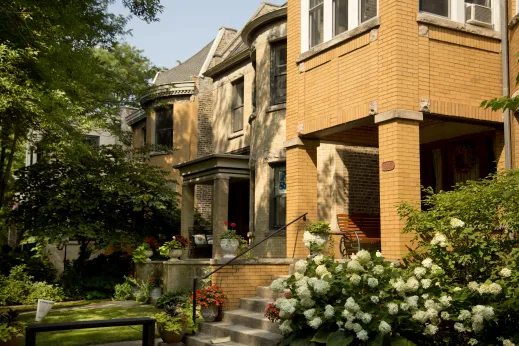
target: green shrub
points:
(43, 290)
(139, 254)
(174, 298)
(123, 291)
(37, 266)
(92, 295)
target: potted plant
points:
(174, 248)
(316, 236)
(230, 241)
(142, 253)
(210, 299)
(173, 323)
(11, 330)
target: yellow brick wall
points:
(399, 142)
(240, 281)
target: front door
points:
(239, 206)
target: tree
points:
(96, 194)
(55, 77)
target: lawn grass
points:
(95, 335)
(70, 304)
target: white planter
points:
(229, 247)
(209, 313)
(148, 254)
(174, 254)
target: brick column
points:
(399, 142)
(188, 208)
(301, 191)
(220, 212)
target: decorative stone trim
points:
(300, 129)
(373, 35)
(274, 108)
(425, 105)
(423, 30)
(373, 107)
(171, 89)
(513, 22)
(136, 116)
(256, 23)
(294, 142)
(302, 67)
(228, 63)
(450, 24)
(341, 38)
(235, 135)
(398, 114)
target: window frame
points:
(274, 168)
(168, 109)
(236, 107)
(275, 47)
(457, 12)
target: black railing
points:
(148, 328)
(236, 257)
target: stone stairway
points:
(246, 326)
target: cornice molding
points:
(165, 90)
(258, 22)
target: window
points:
(164, 127)
(93, 140)
(278, 82)
(279, 191)
(368, 10)
(237, 106)
(439, 7)
(316, 23)
(143, 135)
(485, 3)
(340, 16)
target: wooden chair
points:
(358, 231)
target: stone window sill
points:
(235, 135)
(159, 153)
(341, 38)
(278, 107)
(431, 19)
(513, 22)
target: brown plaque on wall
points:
(388, 166)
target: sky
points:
(186, 26)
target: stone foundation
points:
(176, 276)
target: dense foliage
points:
(174, 298)
(36, 265)
(459, 286)
(10, 326)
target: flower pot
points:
(174, 254)
(148, 254)
(170, 337)
(229, 247)
(16, 340)
(209, 313)
(315, 242)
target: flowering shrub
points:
(210, 295)
(315, 236)
(272, 313)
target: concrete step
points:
(250, 319)
(240, 333)
(266, 293)
(255, 304)
(284, 277)
(201, 339)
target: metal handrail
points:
(236, 257)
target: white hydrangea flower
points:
(318, 259)
(505, 272)
(431, 304)
(300, 266)
(419, 272)
(384, 327)
(372, 282)
(457, 223)
(412, 284)
(493, 288)
(348, 315)
(404, 306)
(459, 327)
(339, 268)
(309, 314)
(477, 326)
(378, 269)
(321, 270)
(473, 286)
(329, 311)
(445, 301)
(357, 327)
(399, 285)
(321, 287)
(487, 312)
(507, 342)
(286, 306)
(366, 318)
(340, 324)
(432, 314)
(425, 296)
(426, 283)
(307, 302)
(362, 335)
(378, 253)
(427, 263)
(439, 239)
(374, 299)
(298, 276)
(315, 323)
(354, 266)
(351, 305)
(473, 342)
(464, 315)
(430, 329)
(285, 327)
(303, 292)
(363, 257)
(445, 315)
(348, 325)
(412, 301)
(355, 279)
(310, 239)
(383, 295)
(420, 316)
(457, 289)
(278, 286)
(392, 308)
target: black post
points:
(148, 334)
(194, 300)
(30, 337)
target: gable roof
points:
(185, 71)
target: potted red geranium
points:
(210, 299)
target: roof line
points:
(210, 55)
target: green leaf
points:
(380, 340)
(338, 338)
(401, 341)
(321, 336)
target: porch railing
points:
(236, 257)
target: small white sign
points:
(43, 308)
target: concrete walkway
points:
(128, 343)
(102, 305)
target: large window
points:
(237, 106)
(93, 140)
(278, 204)
(164, 127)
(316, 22)
(439, 7)
(278, 82)
(340, 16)
(368, 10)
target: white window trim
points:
(353, 20)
